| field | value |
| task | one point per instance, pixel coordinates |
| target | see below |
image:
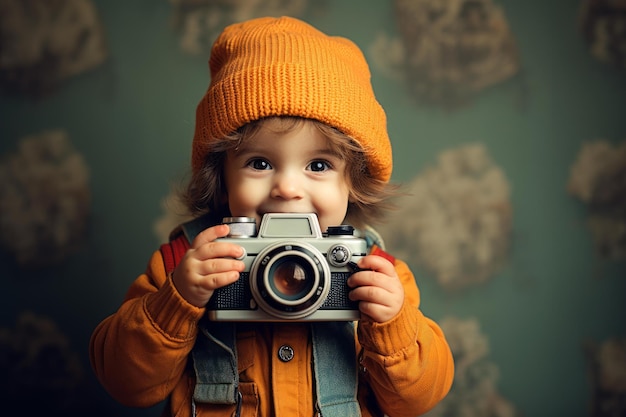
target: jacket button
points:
(285, 353)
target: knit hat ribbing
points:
(285, 67)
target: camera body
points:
(293, 272)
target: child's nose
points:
(287, 186)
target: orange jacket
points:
(140, 355)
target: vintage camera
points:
(293, 271)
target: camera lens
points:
(289, 279)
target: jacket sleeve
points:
(140, 352)
(406, 361)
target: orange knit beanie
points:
(285, 67)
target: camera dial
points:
(341, 230)
(339, 255)
(241, 227)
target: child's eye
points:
(259, 164)
(319, 166)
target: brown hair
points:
(369, 197)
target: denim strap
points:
(335, 367)
(215, 363)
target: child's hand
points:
(207, 265)
(377, 288)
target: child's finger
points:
(209, 235)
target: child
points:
(289, 123)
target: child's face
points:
(293, 172)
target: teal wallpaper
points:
(529, 331)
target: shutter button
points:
(285, 353)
